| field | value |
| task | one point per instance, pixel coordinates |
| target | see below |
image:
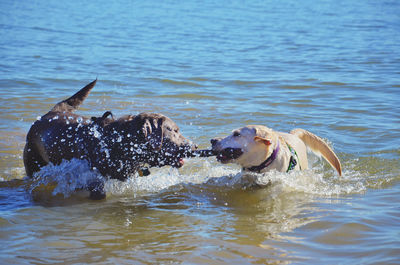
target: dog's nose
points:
(214, 141)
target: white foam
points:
(66, 178)
(76, 174)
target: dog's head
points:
(247, 146)
(163, 142)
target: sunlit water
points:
(331, 67)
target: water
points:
(331, 67)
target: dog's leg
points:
(34, 158)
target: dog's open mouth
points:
(177, 163)
(175, 158)
(228, 154)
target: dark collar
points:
(266, 163)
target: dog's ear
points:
(147, 128)
(103, 120)
(153, 132)
(262, 140)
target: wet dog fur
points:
(116, 148)
(259, 149)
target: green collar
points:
(293, 161)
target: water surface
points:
(331, 67)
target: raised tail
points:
(317, 145)
(72, 103)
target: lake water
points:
(331, 67)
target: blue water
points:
(331, 67)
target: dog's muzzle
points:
(228, 154)
(183, 151)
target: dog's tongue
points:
(181, 162)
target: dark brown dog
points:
(115, 147)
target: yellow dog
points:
(260, 149)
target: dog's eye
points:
(236, 134)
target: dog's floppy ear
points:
(153, 132)
(147, 128)
(262, 140)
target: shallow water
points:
(331, 67)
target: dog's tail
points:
(318, 145)
(72, 103)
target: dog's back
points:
(36, 153)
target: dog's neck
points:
(267, 162)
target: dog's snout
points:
(214, 141)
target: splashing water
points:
(65, 178)
(76, 174)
